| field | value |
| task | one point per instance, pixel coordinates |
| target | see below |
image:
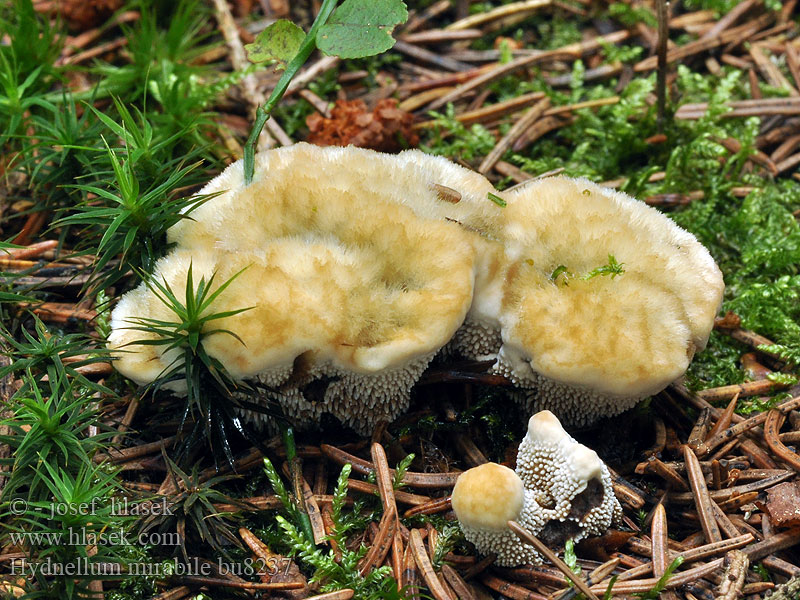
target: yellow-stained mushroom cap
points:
(484, 499)
(355, 274)
(488, 496)
(595, 345)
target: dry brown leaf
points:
(387, 128)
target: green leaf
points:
(280, 41)
(360, 28)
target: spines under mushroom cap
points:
(561, 470)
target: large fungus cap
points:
(626, 333)
(352, 267)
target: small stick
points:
(478, 567)
(701, 497)
(751, 388)
(314, 515)
(241, 585)
(252, 95)
(776, 543)
(460, 587)
(399, 495)
(529, 118)
(117, 456)
(661, 53)
(363, 467)
(397, 557)
(127, 419)
(700, 430)
(659, 538)
(327, 520)
(31, 251)
(725, 524)
(509, 590)
(424, 55)
(681, 52)
(664, 471)
(493, 111)
(435, 36)
(425, 566)
(757, 456)
(743, 426)
(343, 594)
(677, 580)
(381, 545)
(567, 52)
(537, 130)
(173, 594)
(691, 555)
(725, 420)
(497, 13)
(409, 578)
(772, 428)
(430, 508)
(542, 548)
(596, 576)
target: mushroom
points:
(355, 273)
(484, 499)
(561, 491)
(360, 266)
(605, 300)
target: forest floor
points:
(113, 114)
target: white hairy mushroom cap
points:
(619, 338)
(353, 264)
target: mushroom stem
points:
(263, 113)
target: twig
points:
(497, 13)
(253, 97)
(508, 589)
(661, 52)
(772, 428)
(659, 538)
(420, 480)
(701, 497)
(542, 549)
(736, 564)
(516, 131)
(743, 426)
(426, 568)
(569, 51)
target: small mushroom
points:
(605, 300)
(484, 499)
(561, 491)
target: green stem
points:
(295, 470)
(263, 112)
